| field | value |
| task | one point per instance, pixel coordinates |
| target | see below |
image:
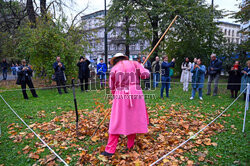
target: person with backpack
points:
(84, 72)
(165, 75)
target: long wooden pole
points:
(160, 39)
(143, 64)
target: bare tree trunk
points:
(154, 24)
(31, 13)
(43, 8)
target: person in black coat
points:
(4, 66)
(60, 75)
(214, 74)
(84, 72)
(24, 77)
(234, 79)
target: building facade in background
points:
(94, 24)
(231, 32)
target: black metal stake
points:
(74, 94)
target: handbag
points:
(53, 77)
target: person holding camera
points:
(60, 77)
(24, 77)
(84, 72)
(198, 79)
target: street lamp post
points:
(105, 35)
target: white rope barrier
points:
(246, 106)
(52, 87)
(90, 83)
(197, 132)
(34, 132)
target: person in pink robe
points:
(128, 115)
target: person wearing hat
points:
(128, 113)
(84, 72)
(24, 77)
(101, 71)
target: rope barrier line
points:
(34, 132)
(69, 85)
(51, 87)
(197, 132)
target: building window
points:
(229, 32)
(233, 33)
(237, 34)
(237, 41)
(225, 31)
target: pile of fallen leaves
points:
(165, 133)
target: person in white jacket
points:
(186, 74)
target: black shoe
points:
(107, 154)
(66, 92)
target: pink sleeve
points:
(143, 73)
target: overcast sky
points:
(95, 5)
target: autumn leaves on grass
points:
(167, 131)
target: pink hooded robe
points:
(128, 115)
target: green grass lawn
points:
(232, 145)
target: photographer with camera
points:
(84, 72)
(60, 77)
(24, 77)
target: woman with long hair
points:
(128, 114)
(186, 74)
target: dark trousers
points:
(165, 83)
(31, 86)
(61, 83)
(5, 74)
(86, 83)
(147, 84)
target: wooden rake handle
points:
(160, 39)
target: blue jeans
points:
(196, 89)
(156, 77)
(5, 74)
(103, 80)
(165, 81)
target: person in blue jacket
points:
(245, 79)
(165, 77)
(101, 71)
(198, 79)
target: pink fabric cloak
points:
(129, 114)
